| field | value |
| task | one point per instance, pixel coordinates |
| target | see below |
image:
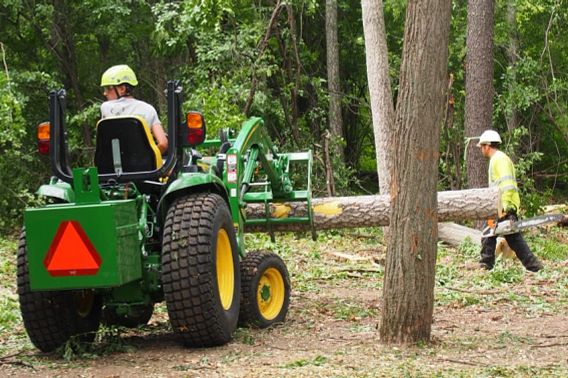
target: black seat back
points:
(132, 138)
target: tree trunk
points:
(382, 107)
(370, 211)
(512, 57)
(411, 255)
(478, 84)
(334, 88)
(62, 45)
(261, 47)
(295, 76)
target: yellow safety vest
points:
(502, 174)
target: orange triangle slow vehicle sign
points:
(71, 252)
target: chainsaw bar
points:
(508, 227)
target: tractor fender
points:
(188, 183)
(57, 189)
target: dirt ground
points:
(314, 342)
(504, 323)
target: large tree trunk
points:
(334, 88)
(382, 107)
(411, 255)
(370, 211)
(478, 84)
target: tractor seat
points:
(125, 145)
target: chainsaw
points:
(509, 226)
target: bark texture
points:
(334, 88)
(371, 211)
(411, 255)
(512, 57)
(382, 107)
(478, 84)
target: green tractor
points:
(114, 239)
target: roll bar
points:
(58, 149)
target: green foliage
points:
(16, 167)
(316, 361)
(552, 246)
(244, 335)
(108, 340)
(349, 311)
(523, 91)
(506, 275)
(177, 22)
(9, 309)
(217, 49)
(532, 200)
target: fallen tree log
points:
(454, 234)
(371, 211)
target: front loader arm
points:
(254, 145)
(253, 155)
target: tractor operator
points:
(118, 83)
(502, 174)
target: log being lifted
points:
(371, 211)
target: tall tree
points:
(512, 57)
(478, 84)
(333, 80)
(411, 255)
(382, 107)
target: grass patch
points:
(9, 308)
(347, 310)
(316, 361)
(506, 275)
(244, 335)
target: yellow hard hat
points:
(121, 74)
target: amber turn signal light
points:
(43, 138)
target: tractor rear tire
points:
(51, 318)
(139, 316)
(200, 270)
(265, 290)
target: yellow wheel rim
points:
(84, 302)
(225, 269)
(270, 293)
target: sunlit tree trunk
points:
(411, 254)
(382, 107)
(478, 84)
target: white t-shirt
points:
(126, 106)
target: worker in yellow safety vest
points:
(502, 174)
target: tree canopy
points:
(231, 62)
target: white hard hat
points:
(488, 137)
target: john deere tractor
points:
(137, 228)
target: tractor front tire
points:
(52, 317)
(200, 270)
(265, 290)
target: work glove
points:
(510, 214)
